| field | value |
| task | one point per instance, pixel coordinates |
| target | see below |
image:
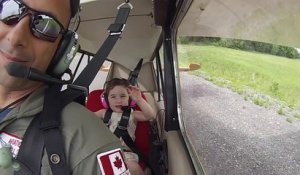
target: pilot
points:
(31, 34)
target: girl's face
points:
(118, 97)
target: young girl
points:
(119, 94)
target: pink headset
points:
(105, 103)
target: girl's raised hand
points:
(134, 93)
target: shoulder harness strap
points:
(123, 123)
(107, 116)
(121, 131)
(50, 127)
(44, 132)
(30, 161)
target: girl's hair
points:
(116, 82)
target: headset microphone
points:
(22, 71)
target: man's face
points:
(18, 44)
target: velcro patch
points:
(112, 163)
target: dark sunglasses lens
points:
(12, 20)
(43, 26)
(10, 11)
(46, 25)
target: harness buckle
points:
(116, 29)
(125, 3)
(121, 127)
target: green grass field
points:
(275, 76)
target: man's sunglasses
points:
(43, 26)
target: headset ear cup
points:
(104, 100)
(132, 103)
(64, 54)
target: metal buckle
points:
(117, 33)
(125, 3)
(122, 127)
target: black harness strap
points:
(44, 132)
(29, 160)
(121, 131)
(50, 127)
(89, 72)
(107, 116)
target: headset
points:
(64, 55)
(104, 97)
(67, 48)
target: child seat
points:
(142, 139)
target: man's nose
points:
(20, 34)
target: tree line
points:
(246, 45)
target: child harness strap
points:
(121, 130)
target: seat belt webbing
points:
(107, 116)
(50, 127)
(29, 160)
(90, 71)
(121, 131)
(43, 132)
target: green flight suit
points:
(85, 135)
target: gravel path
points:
(235, 137)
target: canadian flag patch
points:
(112, 163)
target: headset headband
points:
(74, 4)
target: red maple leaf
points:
(118, 162)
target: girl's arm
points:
(146, 112)
(100, 114)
